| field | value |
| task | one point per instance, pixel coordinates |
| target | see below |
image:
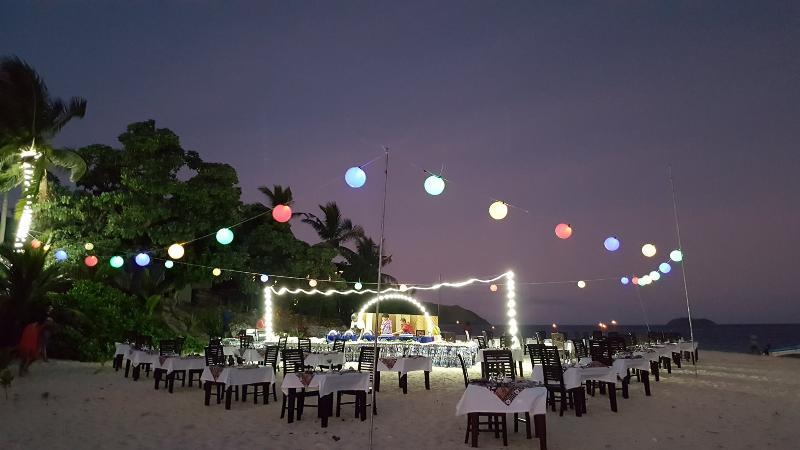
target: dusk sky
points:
(571, 110)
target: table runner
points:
(480, 399)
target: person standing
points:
(386, 325)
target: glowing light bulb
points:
(655, 275)
(282, 213)
(142, 259)
(224, 236)
(676, 255)
(116, 262)
(358, 285)
(61, 255)
(90, 260)
(312, 282)
(89, 247)
(175, 251)
(264, 278)
(216, 272)
(403, 288)
(169, 264)
(649, 250)
(434, 185)
(563, 230)
(355, 177)
(493, 287)
(498, 210)
(624, 280)
(664, 267)
(611, 244)
(581, 284)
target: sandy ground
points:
(735, 402)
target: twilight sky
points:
(570, 110)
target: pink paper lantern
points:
(90, 260)
(282, 213)
(563, 231)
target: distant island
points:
(683, 321)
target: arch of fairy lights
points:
(396, 296)
(511, 298)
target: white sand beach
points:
(736, 402)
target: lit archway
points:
(392, 296)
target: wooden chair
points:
(304, 344)
(338, 345)
(580, 349)
(506, 341)
(215, 356)
(495, 423)
(481, 341)
(169, 347)
(554, 381)
(246, 341)
(367, 358)
(499, 361)
(293, 363)
(271, 359)
(536, 354)
(282, 343)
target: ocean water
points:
(727, 338)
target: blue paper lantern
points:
(434, 185)
(611, 244)
(224, 236)
(664, 267)
(624, 280)
(264, 278)
(142, 259)
(61, 255)
(355, 177)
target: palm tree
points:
(332, 228)
(277, 195)
(29, 120)
(25, 283)
(362, 264)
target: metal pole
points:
(644, 312)
(378, 302)
(683, 260)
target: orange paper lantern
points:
(563, 231)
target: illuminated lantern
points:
(36, 243)
(581, 284)
(312, 282)
(493, 288)
(403, 288)
(142, 259)
(216, 272)
(175, 251)
(498, 210)
(649, 250)
(645, 280)
(664, 267)
(624, 280)
(355, 177)
(116, 262)
(563, 231)
(635, 280)
(676, 255)
(281, 213)
(434, 185)
(61, 255)
(655, 275)
(90, 260)
(89, 247)
(358, 285)
(224, 237)
(264, 278)
(169, 264)
(611, 244)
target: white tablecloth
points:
(405, 365)
(575, 376)
(480, 399)
(327, 382)
(687, 346)
(324, 359)
(172, 363)
(237, 376)
(517, 354)
(137, 357)
(251, 355)
(230, 350)
(121, 349)
(622, 365)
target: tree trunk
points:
(4, 218)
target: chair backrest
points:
(481, 341)
(338, 345)
(617, 344)
(580, 348)
(464, 370)
(500, 361)
(553, 374)
(215, 355)
(282, 343)
(293, 360)
(536, 353)
(506, 341)
(271, 356)
(600, 351)
(245, 341)
(304, 344)
(215, 341)
(168, 347)
(366, 358)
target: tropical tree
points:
(29, 119)
(25, 285)
(332, 228)
(362, 264)
(278, 195)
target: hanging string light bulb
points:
(498, 210)
(434, 185)
(216, 272)
(169, 264)
(581, 284)
(312, 282)
(88, 246)
(61, 255)
(563, 230)
(358, 285)
(176, 251)
(90, 261)
(649, 250)
(116, 262)
(355, 177)
(493, 287)
(264, 278)
(664, 267)
(611, 244)
(142, 259)
(676, 255)
(224, 236)
(282, 213)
